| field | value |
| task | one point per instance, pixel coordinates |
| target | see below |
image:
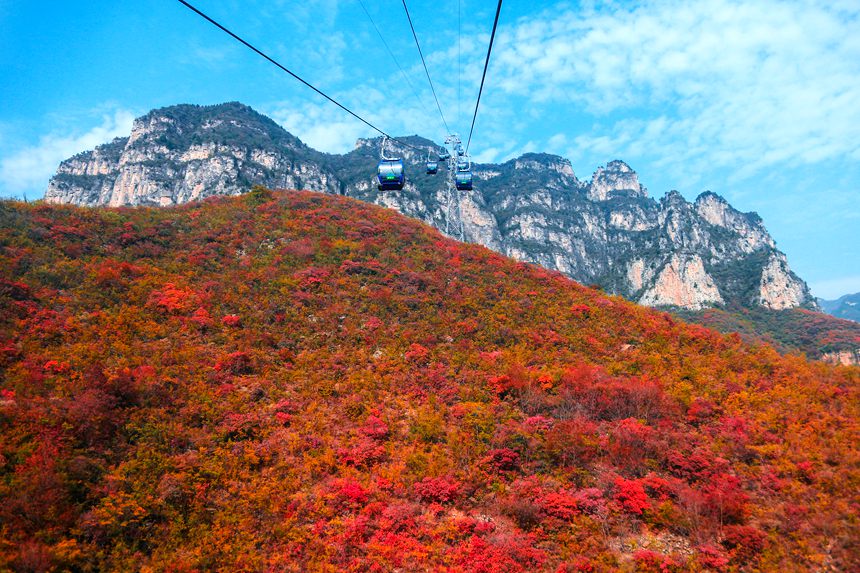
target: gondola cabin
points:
(432, 167)
(390, 175)
(460, 151)
(463, 179)
(463, 165)
(444, 155)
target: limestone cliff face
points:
(604, 231)
(843, 357)
(682, 282)
(779, 287)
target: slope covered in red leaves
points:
(301, 382)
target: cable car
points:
(443, 154)
(432, 166)
(390, 174)
(460, 151)
(463, 179)
(463, 165)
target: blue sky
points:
(757, 101)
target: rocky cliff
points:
(605, 230)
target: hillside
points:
(817, 335)
(306, 382)
(605, 230)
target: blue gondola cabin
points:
(463, 180)
(390, 175)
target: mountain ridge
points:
(846, 306)
(605, 231)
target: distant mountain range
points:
(604, 231)
(847, 306)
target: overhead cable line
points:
(393, 57)
(271, 60)
(420, 53)
(484, 76)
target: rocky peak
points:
(541, 161)
(148, 126)
(679, 220)
(717, 211)
(616, 178)
(673, 198)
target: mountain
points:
(295, 381)
(847, 307)
(604, 231)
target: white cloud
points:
(694, 85)
(28, 170)
(314, 125)
(323, 126)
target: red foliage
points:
(502, 555)
(232, 320)
(174, 300)
(651, 562)
(502, 459)
(351, 493)
(591, 500)
(711, 558)
(604, 397)
(439, 490)
(202, 318)
(743, 541)
(561, 505)
(375, 428)
(725, 499)
(15, 290)
(701, 410)
(631, 442)
(631, 495)
(574, 441)
(238, 362)
(416, 353)
(581, 310)
(363, 453)
(579, 565)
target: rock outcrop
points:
(603, 231)
(779, 289)
(682, 282)
(843, 357)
